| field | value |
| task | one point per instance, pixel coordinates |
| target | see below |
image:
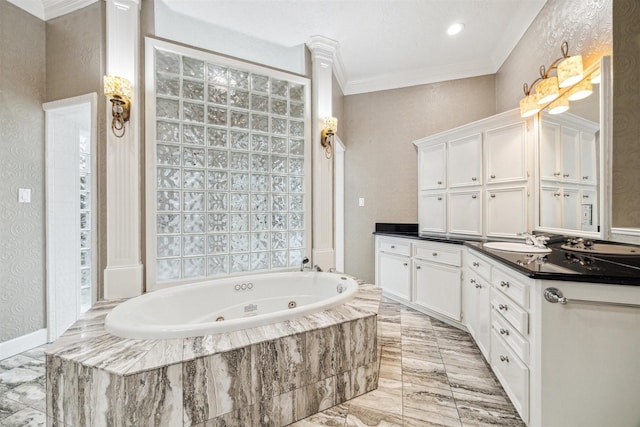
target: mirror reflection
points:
(568, 163)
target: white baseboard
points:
(23, 343)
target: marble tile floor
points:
(431, 374)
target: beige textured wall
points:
(76, 52)
(585, 25)
(381, 161)
(22, 92)
(626, 105)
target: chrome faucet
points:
(536, 241)
(304, 263)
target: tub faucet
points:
(303, 264)
(536, 241)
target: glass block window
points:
(85, 176)
(230, 166)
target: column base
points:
(123, 282)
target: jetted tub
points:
(229, 304)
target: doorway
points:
(71, 226)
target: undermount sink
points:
(604, 249)
(516, 247)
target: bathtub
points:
(229, 304)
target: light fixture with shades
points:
(118, 92)
(556, 91)
(329, 129)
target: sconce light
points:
(328, 131)
(569, 72)
(118, 91)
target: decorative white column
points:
(322, 54)
(123, 273)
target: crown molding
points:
(56, 8)
(326, 49)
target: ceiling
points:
(382, 44)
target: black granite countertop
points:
(559, 264)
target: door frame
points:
(50, 108)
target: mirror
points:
(570, 179)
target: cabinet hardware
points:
(393, 246)
(557, 194)
(405, 264)
(474, 197)
(439, 198)
(503, 307)
(472, 280)
(493, 196)
(585, 177)
(478, 286)
(504, 358)
(418, 267)
(439, 182)
(476, 264)
(556, 174)
(474, 179)
(504, 284)
(567, 195)
(435, 254)
(585, 196)
(566, 175)
(554, 295)
(493, 176)
(504, 332)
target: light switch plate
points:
(361, 201)
(24, 195)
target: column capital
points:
(322, 48)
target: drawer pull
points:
(418, 267)
(493, 196)
(504, 358)
(493, 176)
(474, 179)
(439, 198)
(393, 246)
(566, 175)
(439, 182)
(478, 286)
(476, 264)
(585, 196)
(472, 280)
(504, 284)
(474, 197)
(503, 307)
(504, 331)
(585, 177)
(405, 264)
(435, 254)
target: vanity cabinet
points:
(504, 142)
(437, 278)
(476, 300)
(393, 266)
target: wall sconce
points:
(569, 72)
(328, 131)
(118, 91)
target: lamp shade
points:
(581, 90)
(547, 90)
(117, 87)
(570, 71)
(529, 106)
(331, 124)
(559, 106)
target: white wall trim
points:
(23, 343)
(339, 173)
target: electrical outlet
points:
(361, 201)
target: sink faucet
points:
(536, 241)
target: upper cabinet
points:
(480, 160)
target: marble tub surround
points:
(272, 375)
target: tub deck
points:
(268, 375)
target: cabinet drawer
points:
(516, 341)
(395, 247)
(512, 312)
(478, 265)
(514, 289)
(512, 373)
(438, 253)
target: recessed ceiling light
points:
(455, 28)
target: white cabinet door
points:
(589, 210)
(432, 211)
(438, 288)
(394, 275)
(506, 153)
(551, 207)
(464, 161)
(570, 154)
(571, 209)
(465, 213)
(588, 144)
(431, 162)
(549, 152)
(477, 309)
(506, 211)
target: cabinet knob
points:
(503, 307)
(439, 198)
(472, 280)
(474, 179)
(557, 194)
(567, 195)
(478, 286)
(474, 197)
(504, 284)
(476, 264)
(585, 177)
(493, 196)
(393, 246)
(504, 358)
(556, 174)
(504, 332)
(585, 196)
(493, 176)
(418, 267)
(405, 264)
(566, 175)
(435, 254)
(439, 182)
